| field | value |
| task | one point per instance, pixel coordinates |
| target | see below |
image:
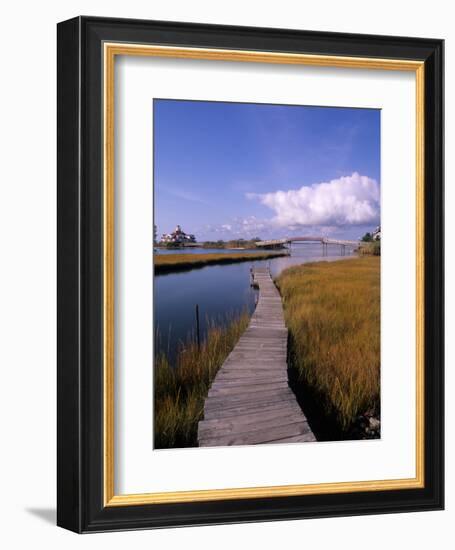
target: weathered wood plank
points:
(248, 409)
(247, 381)
(247, 376)
(250, 401)
(257, 387)
(238, 429)
(214, 412)
(264, 435)
(254, 364)
(216, 402)
(246, 423)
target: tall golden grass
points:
(165, 263)
(332, 310)
(180, 391)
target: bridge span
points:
(325, 241)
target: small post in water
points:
(198, 336)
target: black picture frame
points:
(80, 475)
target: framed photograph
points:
(250, 274)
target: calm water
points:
(221, 291)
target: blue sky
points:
(231, 170)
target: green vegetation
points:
(170, 245)
(332, 310)
(236, 243)
(166, 263)
(367, 238)
(180, 391)
(372, 248)
(214, 244)
(371, 243)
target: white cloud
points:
(350, 200)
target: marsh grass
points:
(332, 310)
(165, 263)
(370, 248)
(180, 391)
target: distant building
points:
(376, 235)
(178, 236)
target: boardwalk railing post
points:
(198, 335)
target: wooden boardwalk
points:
(250, 401)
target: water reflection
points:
(221, 291)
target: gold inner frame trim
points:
(110, 50)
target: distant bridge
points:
(325, 241)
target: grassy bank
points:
(238, 243)
(332, 310)
(165, 263)
(370, 248)
(180, 392)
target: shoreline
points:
(170, 263)
(352, 414)
(181, 390)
